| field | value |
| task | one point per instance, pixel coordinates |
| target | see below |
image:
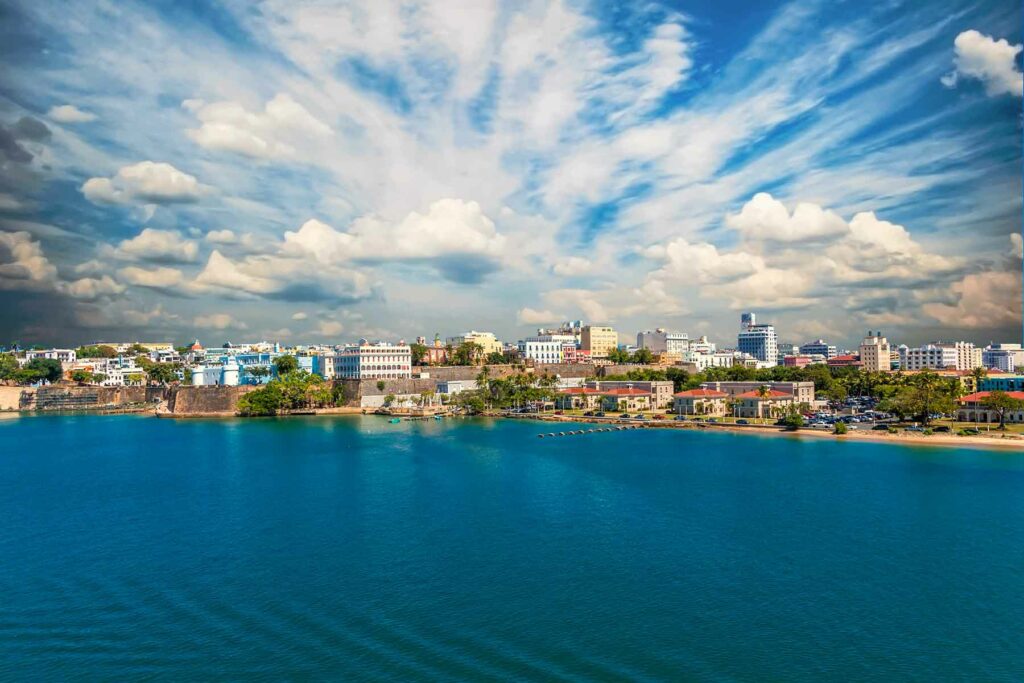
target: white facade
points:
(939, 356)
(663, 341)
(545, 348)
(760, 341)
(63, 355)
(716, 359)
(381, 360)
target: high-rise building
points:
(598, 340)
(758, 340)
(874, 353)
(1004, 357)
(380, 360)
(819, 348)
(662, 341)
(941, 355)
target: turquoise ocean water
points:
(352, 549)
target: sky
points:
(325, 171)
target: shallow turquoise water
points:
(351, 548)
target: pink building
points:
(796, 361)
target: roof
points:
(982, 395)
(701, 393)
(772, 393)
(580, 390)
(625, 392)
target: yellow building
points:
(598, 340)
(487, 342)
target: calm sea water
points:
(352, 548)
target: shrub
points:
(841, 428)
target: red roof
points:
(981, 395)
(772, 393)
(625, 392)
(580, 390)
(701, 393)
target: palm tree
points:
(978, 374)
(762, 392)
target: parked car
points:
(559, 412)
(680, 418)
(589, 413)
(942, 428)
(599, 413)
(742, 422)
(624, 415)
(880, 428)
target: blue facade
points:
(1003, 383)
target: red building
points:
(796, 361)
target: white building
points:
(545, 348)
(875, 353)
(941, 355)
(759, 341)
(714, 359)
(65, 356)
(1004, 357)
(487, 342)
(663, 341)
(819, 347)
(380, 360)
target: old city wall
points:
(207, 400)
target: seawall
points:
(64, 397)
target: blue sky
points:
(325, 171)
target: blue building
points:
(1003, 383)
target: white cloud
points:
(571, 266)
(283, 125)
(93, 288)
(530, 316)
(329, 328)
(991, 61)
(23, 265)
(161, 246)
(69, 113)
(986, 300)
(9, 202)
(299, 316)
(766, 218)
(156, 278)
(145, 182)
(1017, 245)
(218, 321)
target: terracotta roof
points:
(580, 390)
(701, 393)
(771, 394)
(981, 395)
(625, 392)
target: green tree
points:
(418, 352)
(643, 357)
(496, 358)
(82, 376)
(389, 400)
(1002, 403)
(96, 351)
(619, 356)
(381, 384)
(468, 353)
(258, 371)
(977, 375)
(8, 365)
(163, 373)
(46, 368)
(792, 418)
(286, 364)
(138, 349)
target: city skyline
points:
(321, 173)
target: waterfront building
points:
(625, 399)
(700, 402)
(598, 340)
(578, 398)
(819, 347)
(972, 409)
(939, 355)
(660, 391)
(456, 386)
(662, 341)
(379, 360)
(1003, 357)
(874, 353)
(546, 348)
(487, 342)
(801, 392)
(758, 340)
(845, 360)
(323, 364)
(752, 404)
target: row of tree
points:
(292, 389)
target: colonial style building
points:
(753, 405)
(700, 402)
(625, 399)
(972, 409)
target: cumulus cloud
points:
(766, 218)
(531, 316)
(218, 321)
(146, 182)
(155, 278)
(91, 289)
(23, 265)
(160, 246)
(1016, 245)
(453, 234)
(283, 125)
(991, 61)
(69, 113)
(983, 301)
(244, 242)
(299, 316)
(571, 266)
(329, 328)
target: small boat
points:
(394, 420)
(438, 417)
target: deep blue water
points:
(351, 548)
